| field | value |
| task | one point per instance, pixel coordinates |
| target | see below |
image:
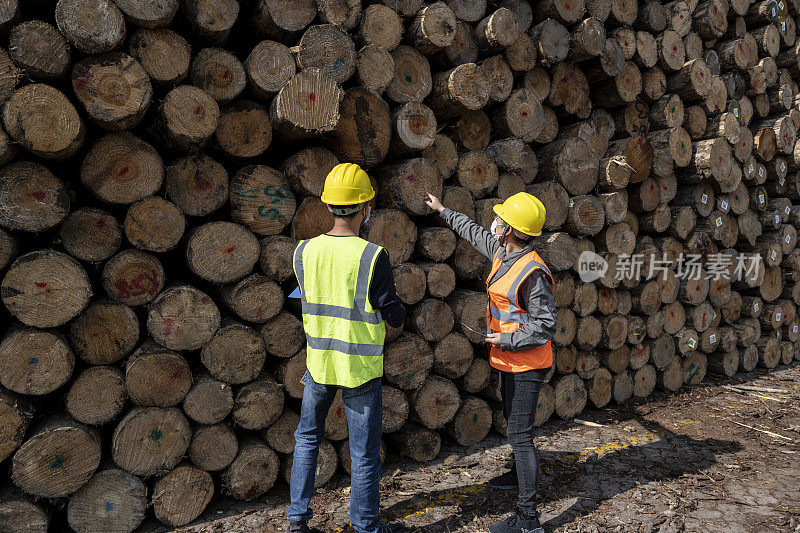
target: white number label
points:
(788, 209)
(782, 181)
(777, 219)
(794, 329)
(750, 168)
(718, 221)
(761, 198)
(723, 205)
(713, 338)
(755, 306)
(736, 114)
(788, 239)
(780, 5)
(704, 198)
(773, 255)
(778, 317)
(783, 166)
(692, 343)
(761, 171)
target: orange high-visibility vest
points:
(504, 315)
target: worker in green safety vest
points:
(347, 292)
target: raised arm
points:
(476, 235)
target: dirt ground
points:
(676, 462)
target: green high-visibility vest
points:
(344, 332)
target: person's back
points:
(347, 291)
(345, 333)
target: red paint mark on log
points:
(101, 222)
(40, 284)
(124, 170)
(177, 374)
(230, 249)
(412, 178)
(312, 96)
(198, 110)
(39, 195)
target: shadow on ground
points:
(593, 479)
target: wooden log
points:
(570, 396)
(328, 48)
(551, 40)
(692, 82)
(198, 185)
(44, 122)
(222, 252)
(391, 229)
(599, 388)
(211, 23)
(236, 353)
(261, 201)
(644, 381)
(443, 153)
(133, 277)
(39, 49)
(154, 224)
(188, 117)
(157, 377)
(417, 442)
(290, 374)
(401, 183)
(150, 440)
(381, 26)
(311, 219)
(671, 378)
(435, 403)
(164, 55)
(120, 168)
(622, 387)
(615, 360)
(218, 73)
(255, 469)
(363, 132)
(209, 401)
(469, 307)
(255, 298)
(114, 89)
(621, 89)
(521, 55)
(308, 104)
(57, 459)
(340, 13)
(280, 435)
(182, 495)
(91, 26)
(462, 49)
(34, 198)
(122, 495)
(407, 361)
(412, 80)
(472, 422)
(433, 28)
(257, 404)
(29, 284)
(244, 130)
(710, 19)
(183, 318)
(436, 244)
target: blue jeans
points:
(364, 410)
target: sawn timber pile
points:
(160, 160)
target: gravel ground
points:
(672, 463)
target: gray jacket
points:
(536, 293)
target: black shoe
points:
(391, 528)
(507, 481)
(518, 523)
(298, 527)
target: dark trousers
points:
(520, 392)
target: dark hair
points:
(351, 216)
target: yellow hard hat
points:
(523, 212)
(347, 184)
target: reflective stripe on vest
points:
(344, 334)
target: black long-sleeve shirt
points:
(535, 292)
(382, 293)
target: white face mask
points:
(495, 225)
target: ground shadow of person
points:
(588, 477)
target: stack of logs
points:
(161, 159)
